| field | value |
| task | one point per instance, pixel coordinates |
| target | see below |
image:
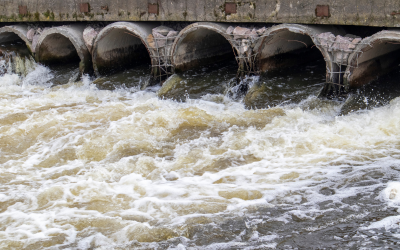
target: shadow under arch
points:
(121, 45)
(373, 56)
(200, 44)
(64, 44)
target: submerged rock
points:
(254, 94)
(169, 85)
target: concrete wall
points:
(344, 12)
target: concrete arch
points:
(121, 44)
(188, 52)
(286, 45)
(373, 56)
(64, 44)
(14, 33)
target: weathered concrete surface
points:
(14, 33)
(64, 44)
(200, 44)
(374, 56)
(370, 13)
(121, 45)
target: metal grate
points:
(244, 54)
(163, 58)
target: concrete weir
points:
(64, 44)
(374, 56)
(122, 44)
(200, 44)
(173, 47)
(14, 33)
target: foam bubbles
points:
(84, 168)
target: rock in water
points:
(254, 94)
(172, 83)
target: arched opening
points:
(11, 42)
(284, 49)
(63, 50)
(201, 47)
(373, 58)
(15, 35)
(119, 49)
(57, 49)
(292, 68)
(15, 50)
(204, 60)
(59, 54)
(373, 72)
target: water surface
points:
(107, 164)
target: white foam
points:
(83, 155)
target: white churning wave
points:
(85, 168)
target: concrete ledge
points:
(63, 44)
(338, 12)
(14, 33)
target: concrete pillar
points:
(64, 44)
(14, 33)
(374, 56)
(123, 44)
(200, 44)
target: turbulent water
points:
(107, 164)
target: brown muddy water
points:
(107, 164)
